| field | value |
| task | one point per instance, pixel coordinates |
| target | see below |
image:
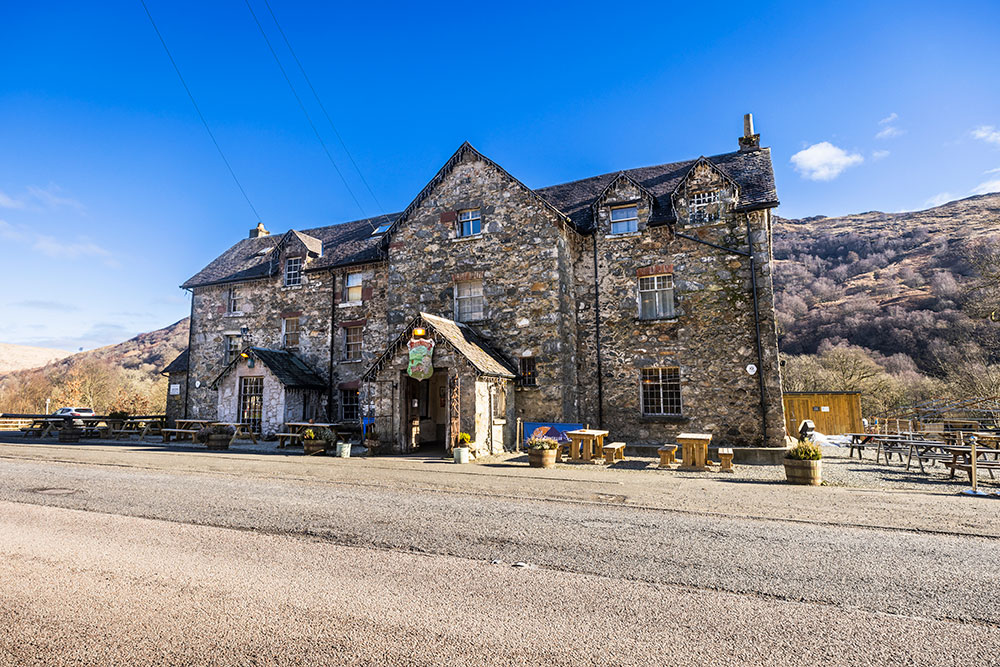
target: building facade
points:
(639, 301)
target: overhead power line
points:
(200, 114)
(325, 112)
(305, 112)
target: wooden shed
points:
(833, 412)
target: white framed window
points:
(624, 219)
(349, 405)
(352, 343)
(656, 297)
(290, 332)
(231, 347)
(293, 271)
(233, 300)
(469, 304)
(469, 222)
(353, 285)
(705, 206)
(660, 391)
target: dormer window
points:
(382, 229)
(469, 222)
(293, 271)
(624, 219)
(705, 206)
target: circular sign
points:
(751, 369)
(197, 384)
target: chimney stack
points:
(749, 141)
(259, 231)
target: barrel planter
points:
(542, 458)
(314, 446)
(217, 441)
(461, 454)
(804, 472)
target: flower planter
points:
(311, 447)
(344, 450)
(216, 441)
(461, 454)
(542, 458)
(804, 472)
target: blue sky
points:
(112, 194)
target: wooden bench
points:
(292, 438)
(178, 433)
(668, 456)
(614, 451)
(725, 459)
(967, 467)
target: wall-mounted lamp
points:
(419, 331)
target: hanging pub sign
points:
(420, 366)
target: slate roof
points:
(342, 245)
(751, 170)
(352, 242)
(178, 365)
(464, 339)
(287, 367)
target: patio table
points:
(584, 442)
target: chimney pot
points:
(749, 141)
(259, 231)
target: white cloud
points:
(879, 155)
(40, 199)
(988, 186)
(888, 119)
(56, 248)
(888, 132)
(9, 232)
(938, 199)
(824, 161)
(987, 133)
(6, 201)
(992, 171)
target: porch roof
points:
(462, 338)
(289, 369)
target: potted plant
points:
(804, 464)
(542, 452)
(461, 450)
(216, 436)
(315, 440)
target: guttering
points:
(333, 338)
(187, 376)
(597, 338)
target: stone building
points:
(640, 301)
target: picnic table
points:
(185, 428)
(140, 426)
(294, 431)
(43, 426)
(965, 454)
(240, 431)
(585, 442)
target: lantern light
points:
(419, 331)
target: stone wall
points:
(523, 257)
(176, 403)
(711, 339)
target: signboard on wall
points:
(175, 390)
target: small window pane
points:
(290, 327)
(353, 287)
(352, 342)
(349, 404)
(469, 222)
(528, 374)
(660, 391)
(293, 271)
(656, 297)
(469, 301)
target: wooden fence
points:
(833, 413)
(13, 423)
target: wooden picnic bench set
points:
(587, 445)
(43, 426)
(932, 447)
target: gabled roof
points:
(311, 243)
(288, 368)
(178, 365)
(462, 338)
(464, 150)
(342, 245)
(353, 243)
(751, 170)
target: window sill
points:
(351, 361)
(350, 304)
(235, 313)
(665, 320)
(499, 422)
(289, 288)
(624, 235)
(462, 239)
(664, 419)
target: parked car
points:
(74, 412)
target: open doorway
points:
(426, 412)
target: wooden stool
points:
(726, 458)
(614, 452)
(668, 456)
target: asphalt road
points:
(119, 561)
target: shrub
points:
(215, 429)
(542, 443)
(318, 433)
(805, 451)
(464, 439)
